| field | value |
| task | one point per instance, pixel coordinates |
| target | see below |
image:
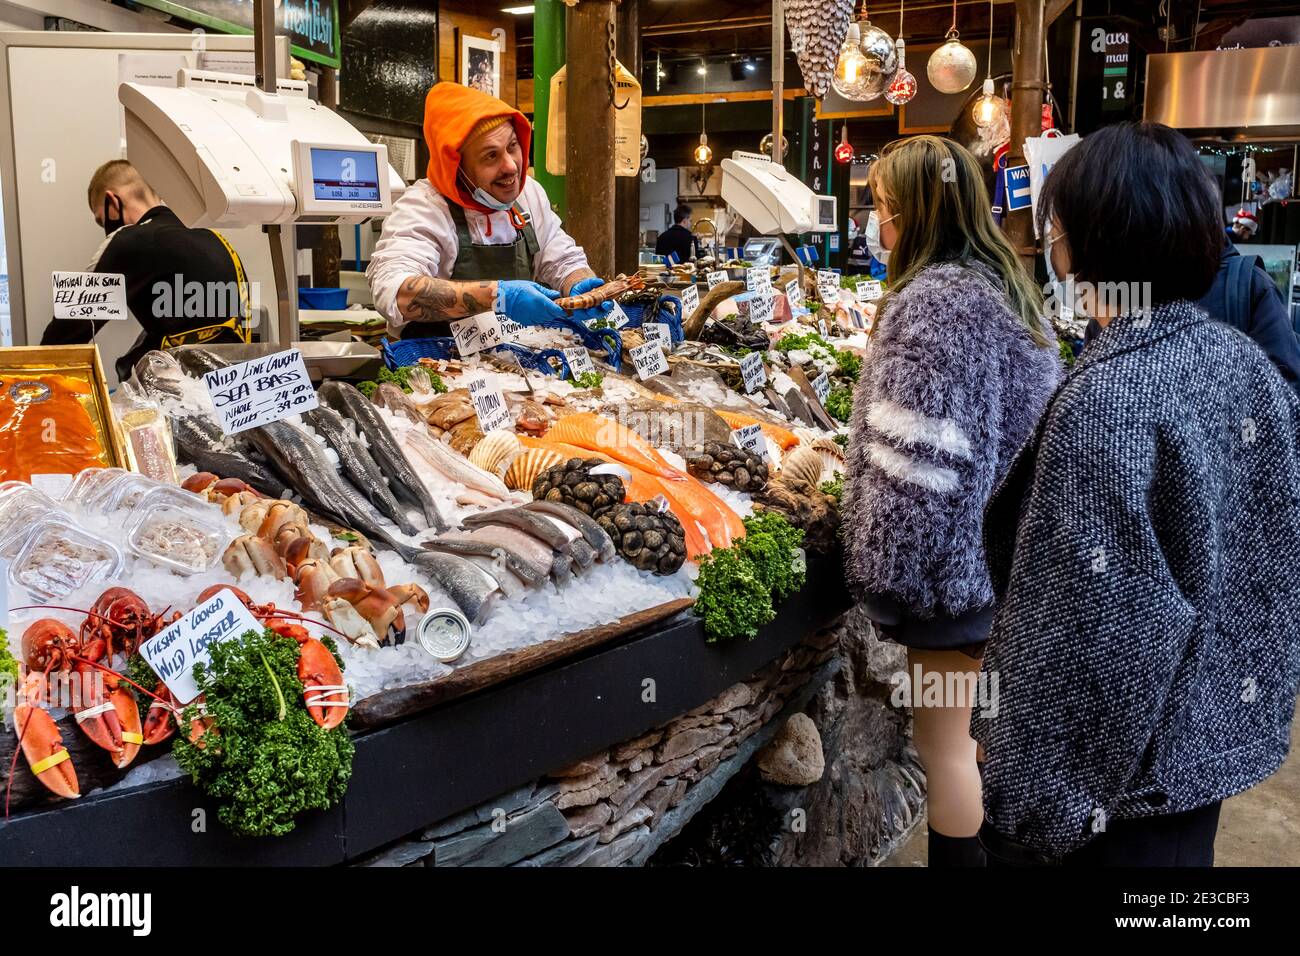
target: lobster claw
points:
(324, 692)
(159, 720)
(42, 743)
(111, 720)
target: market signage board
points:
(260, 391)
(1019, 191)
(489, 405)
(649, 360)
(750, 438)
(312, 26)
(579, 361)
(172, 653)
(478, 332)
(753, 372)
(99, 296)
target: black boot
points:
(955, 851)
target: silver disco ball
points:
(882, 59)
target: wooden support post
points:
(589, 132)
(1027, 86)
(627, 189)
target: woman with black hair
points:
(1145, 543)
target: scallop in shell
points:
(832, 456)
(528, 465)
(496, 451)
(804, 464)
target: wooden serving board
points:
(390, 705)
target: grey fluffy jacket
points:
(951, 387)
(1145, 548)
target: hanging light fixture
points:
(902, 87)
(952, 67)
(703, 154)
(989, 108)
(849, 78)
(866, 63)
(765, 145)
(844, 149)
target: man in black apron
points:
(184, 286)
(477, 235)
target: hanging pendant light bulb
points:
(989, 108)
(844, 149)
(703, 155)
(849, 78)
(952, 67)
(867, 61)
(902, 87)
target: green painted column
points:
(548, 57)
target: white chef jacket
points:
(419, 238)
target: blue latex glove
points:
(528, 303)
(586, 285)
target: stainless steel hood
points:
(1250, 95)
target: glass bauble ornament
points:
(952, 67)
(902, 87)
(881, 59)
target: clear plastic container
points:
(89, 483)
(57, 557)
(186, 538)
(19, 506)
(126, 492)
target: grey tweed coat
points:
(1145, 548)
(951, 387)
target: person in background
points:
(866, 255)
(677, 239)
(476, 235)
(163, 262)
(1245, 297)
(961, 363)
(1243, 227)
(1144, 546)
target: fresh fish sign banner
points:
(173, 653)
(312, 26)
(261, 391)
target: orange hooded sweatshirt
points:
(450, 112)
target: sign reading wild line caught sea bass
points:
(312, 26)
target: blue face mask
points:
(485, 198)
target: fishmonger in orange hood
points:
(477, 235)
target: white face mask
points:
(872, 234)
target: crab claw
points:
(323, 690)
(200, 482)
(279, 514)
(249, 553)
(377, 605)
(357, 562)
(314, 578)
(236, 503)
(344, 617)
(42, 743)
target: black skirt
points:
(967, 632)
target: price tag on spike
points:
(579, 361)
(690, 301)
(870, 290)
(716, 278)
(753, 372)
(750, 438)
(489, 405)
(649, 360)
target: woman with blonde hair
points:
(961, 365)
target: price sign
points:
(89, 295)
(750, 438)
(758, 278)
(821, 324)
(760, 306)
(828, 283)
(489, 405)
(659, 333)
(690, 301)
(172, 653)
(713, 278)
(794, 292)
(509, 327)
(260, 391)
(579, 361)
(649, 360)
(753, 372)
(822, 386)
(478, 332)
(870, 291)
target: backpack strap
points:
(1237, 300)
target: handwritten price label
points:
(658, 333)
(750, 438)
(821, 324)
(761, 306)
(714, 278)
(489, 405)
(649, 360)
(870, 291)
(758, 278)
(828, 286)
(260, 391)
(753, 372)
(690, 301)
(579, 361)
(172, 653)
(89, 295)
(509, 327)
(478, 332)
(794, 293)
(822, 386)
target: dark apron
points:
(482, 263)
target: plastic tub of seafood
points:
(89, 483)
(57, 557)
(17, 513)
(186, 538)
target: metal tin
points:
(444, 633)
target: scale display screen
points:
(345, 175)
(826, 211)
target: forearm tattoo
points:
(573, 278)
(426, 299)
